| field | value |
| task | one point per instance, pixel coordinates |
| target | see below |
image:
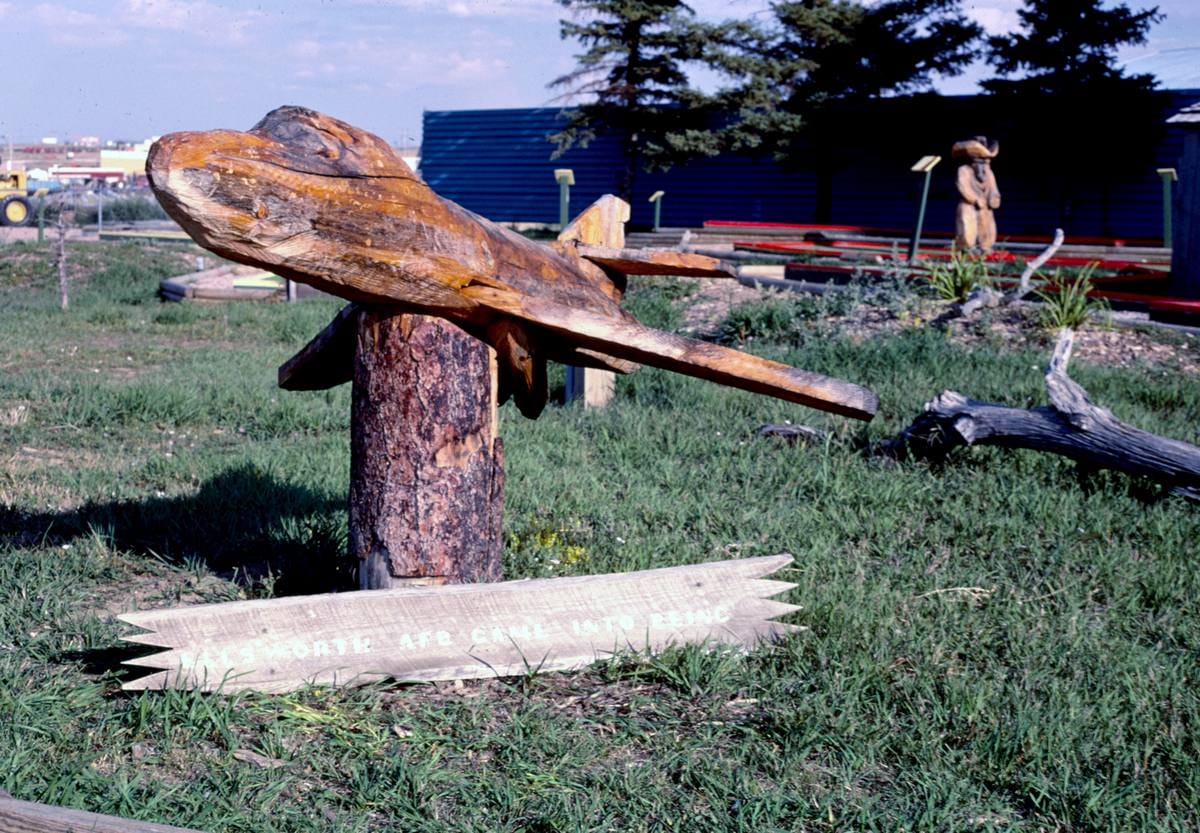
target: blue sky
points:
(135, 68)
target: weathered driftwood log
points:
(1072, 426)
(426, 464)
(316, 200)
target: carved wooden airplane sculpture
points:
(318, 201)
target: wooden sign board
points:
(458, 631)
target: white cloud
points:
(305, 48)
(471, 8)
(53, 14)
(208, 21)
(166, 14)
(71, 27)
(462, 68)
(996, 18)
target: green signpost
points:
(565, 178)
(656, 198)
(924, 165)
(1169, 176)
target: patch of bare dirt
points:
(1098, 343)
(709, 304)
(165, 587)
(27, 459)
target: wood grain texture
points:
(600, 224)
(316, 200)
(673, 352)
(459, 631)
(426, 466)
(30, 817)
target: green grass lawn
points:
(994, 644)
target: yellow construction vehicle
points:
(14, 199)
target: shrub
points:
(122, 210)
(953, 280)
(780, 315)
(1066, 303)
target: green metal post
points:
(916, 239)
(656, 198)
(565, 178)
(41, 219)
(1168, 176)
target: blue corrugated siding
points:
(497, 163)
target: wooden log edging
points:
(1072, 426)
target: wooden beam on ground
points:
(30, 817)
(459, 631)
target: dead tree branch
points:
(1072, 426)
(986, 296)
(1024, 286)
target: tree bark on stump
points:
(426, 464)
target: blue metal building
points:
(497, 163)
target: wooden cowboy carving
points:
(979, 196)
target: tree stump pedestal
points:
(426, 463)
(426, 459)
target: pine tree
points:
(633, 83)
(1069, 47)
(798, 72)
(1075, 118)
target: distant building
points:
(131, 162)
(47, 156)
(1185, 254)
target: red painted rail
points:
(874, 231)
